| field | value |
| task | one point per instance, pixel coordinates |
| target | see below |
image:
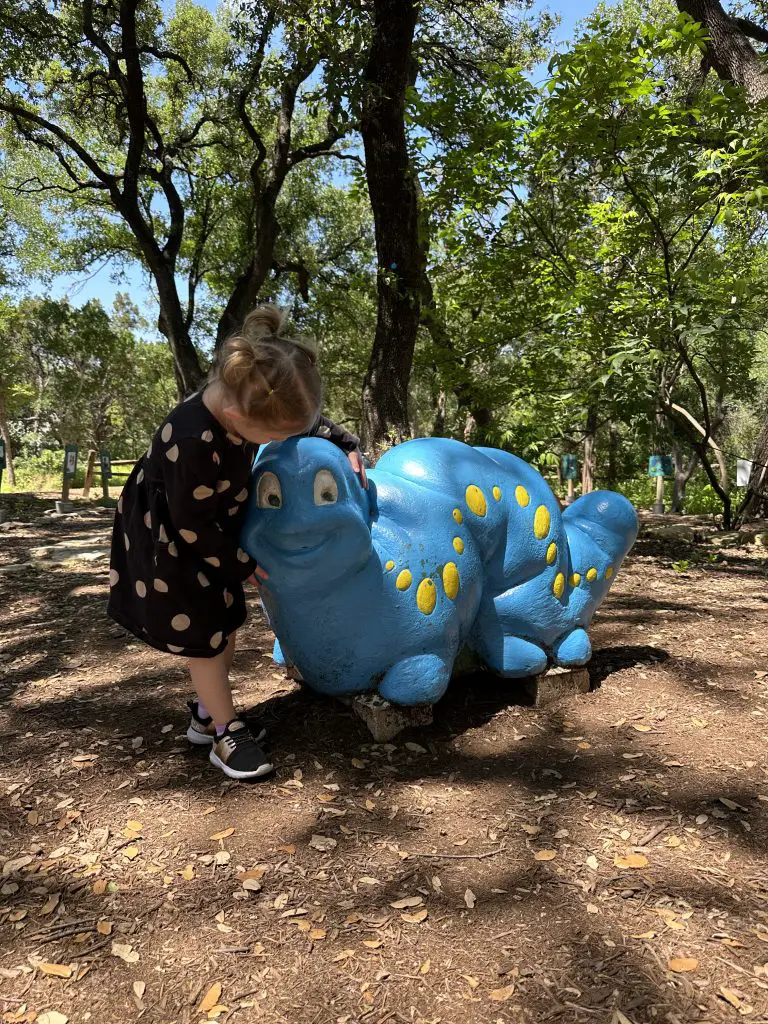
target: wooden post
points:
(569, 499)
(89, 473)
(106, 472)
(659, 505)
(70, 468)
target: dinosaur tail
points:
(601, 528)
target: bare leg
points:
(210, 678)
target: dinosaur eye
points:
(269, 493)
(326, 488)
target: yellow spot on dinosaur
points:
(476, 500)
(523, 498)
(541, 522)
(576, 579)
(497, 493)
(451, 580)
(458, 516)
(458, 545)
(609, 572)
(426, 597)
(551, 554)
(390, 565)
(404, 580)
(592, 575)
(558, 587)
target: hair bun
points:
(263, 322)
(236, 361)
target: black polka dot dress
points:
(177, 570)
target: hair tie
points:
(270, 392)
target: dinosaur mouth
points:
(296, 548)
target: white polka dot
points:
(207, 435)
(163, 534)
(174, 650)
(234, 439)
(172, 453)
(189, 536)
(149, 452)
(160, 585)
(141, 588)
(202, 492)
(127, 542)
(148, 520)
(120, 503)
(228, 599)
(114, 577)
(234, 511)
(216, 458)
(242, 495)
(166, 433)
(241, 555)
(213, 560)
(203, 580)
(140, 477)
(222, 485)
(216, 640)
(180, 623)
(173, 550)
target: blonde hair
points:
(271, 378)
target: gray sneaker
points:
(202, 732)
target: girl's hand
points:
(258, 576)
(356, 460)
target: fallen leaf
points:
(501, 995)
(222, 857)
(645, 935)
(139, 988)
(409, 901)
(472, 982)
(34, 818)
(56, 970)
(11, 866)
(424, 969)
(134, 826)
(592, 908)
(545, 855)
(131, 852)
(357, 763)
(682, 964)
(323, 843)
(125, 952)
(730, 996)
(469, 898)
(368, 880)
(641, 728)
(532, 830)
(674, 842)
(416, 748)
(373, 943)
(316, 934)
(104, 927)
(222, 835)
(632, 860)
(99, 886)
(417, 918)
(212, 996)
(763, 936)
(592, 862)
(345, 954)
(252, 885)
(188, 873)
(281, 900)
(290, 849)
(50, 904)
(52, 1017)
(460, 842)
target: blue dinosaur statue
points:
(451, 546)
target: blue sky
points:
(99, 285)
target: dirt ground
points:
(603, 860)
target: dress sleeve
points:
(335, 434)
(193, 488)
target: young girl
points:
(177, 570)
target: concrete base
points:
(556, 683)
(658, 508)
(385, 720)
(62, 507)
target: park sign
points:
(106, 465)
(660, 466)
(569, 468)
(70, 461)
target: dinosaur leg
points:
(277, 654)
(573, 649)
(505, 653)
(420, 679)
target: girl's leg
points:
(229, 651)
(210, 678)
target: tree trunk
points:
(613, 456)
(438, 426)
(172, 324)
(400, 249)
(729, 52)
(6, 436)
(588, 467)
(755, 503)
(683, 474)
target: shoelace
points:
(243, 740)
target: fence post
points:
(106, 472)
(89, 474)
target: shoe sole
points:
(260, 773)
(199, 739)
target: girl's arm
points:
(335, 434)
(195, 491)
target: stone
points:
(385, 720)
(87, 548)
(678, 532)
(557, 683)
